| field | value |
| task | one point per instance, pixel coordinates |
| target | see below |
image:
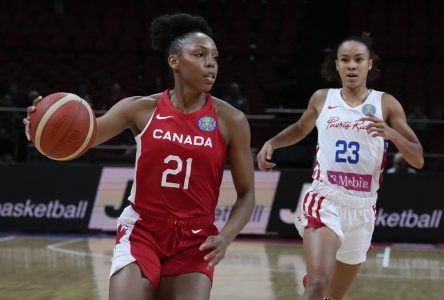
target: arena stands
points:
(272, 48)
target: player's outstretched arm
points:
(293, 133)
(129, 113)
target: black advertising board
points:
(42, 198)
(409, 208)
(61, 197)
(291, 186)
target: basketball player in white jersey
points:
(354, 123)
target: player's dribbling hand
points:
(29, 110)
(219, 245)
(264, 157)
(378, 127)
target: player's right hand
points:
(264, 157)
(29, 110)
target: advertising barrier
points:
(409, 207)
(115, 186)
(52, 198)
(72, 198)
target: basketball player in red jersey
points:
(166, 245)
(353, 125)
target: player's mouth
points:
(352, 75)
(210, 77)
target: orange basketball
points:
(63, 126)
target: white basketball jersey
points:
(349, 159)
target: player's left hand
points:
(378, 127)
(219, 245)
(29, 111)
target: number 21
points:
(176, 171)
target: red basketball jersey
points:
(179, 161)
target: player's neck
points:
(186, 101)
(356, 96)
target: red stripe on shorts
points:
(312, 203)
(318, 216)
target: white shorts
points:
(351, 218)
(122, 250)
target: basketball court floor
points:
(76, 267)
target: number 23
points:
(341, 152)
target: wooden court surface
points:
(48, 267)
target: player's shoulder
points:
(317, 99)
(148, 100)
(386, 97)
(388, 101)
(140, 102)
(233, 122)
(228, 112)
(390, 105)
(320, 94)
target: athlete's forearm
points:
(411, 151)
(287, 137)
(239, 217)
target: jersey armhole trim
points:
(147, 124)
(329, 91)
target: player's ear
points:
(173, 61)
(336, 64)
(370, 64)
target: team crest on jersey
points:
(207, 123)
(369, 109)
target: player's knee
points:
(128, 283)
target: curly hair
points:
(328, 69)
(168, 32)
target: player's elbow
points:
(418, 159)
(418, 162)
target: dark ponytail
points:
(328, 69)
(169, 31)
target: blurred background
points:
(270, 57)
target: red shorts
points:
(162, 245)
